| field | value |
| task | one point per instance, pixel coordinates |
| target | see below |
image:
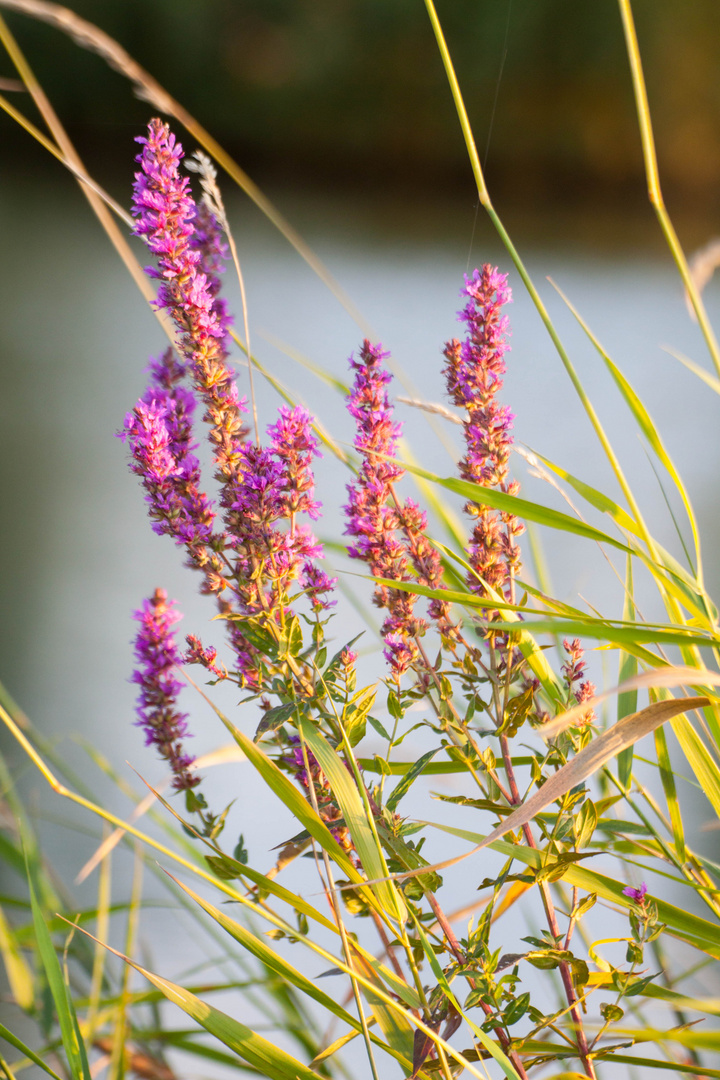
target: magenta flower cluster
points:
(261, 549)
(159, 434)
(388, 535)
(157, 655)
(473, 373)
(638, 895)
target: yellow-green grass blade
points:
(693, 929)
(101, 931)
(649, 430)
(692, 1038)
(655, 1063)
(513, 504)
(595, 498)
(70, 1031)
(627, 669)
(656, 992)
(653, 180)
(18, 973)
(667, 777)
(435, 768)
(396, 1028)
(293, 800)
(276, 963)
(323, 435)
(8, 1035)
(627, 636)
(266, 884)
(701, 373)
(268, 1059)
(353, 811)
(300, 358)
(700, 760)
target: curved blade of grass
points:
(268, 1059)
(701, 373)
(654, 1063)
(272, 960)
(668, 782)
(71, 1038)
(653, 180)
(512, 504)
(618, 635)
(6, 1034)
(700, 760)
(627, 669)
(595, 498)
(353, 811)
(644, 422)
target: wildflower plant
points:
(544, 779)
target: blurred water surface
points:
(78, 553)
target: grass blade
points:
(69, 1028)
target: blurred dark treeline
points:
(353, 93)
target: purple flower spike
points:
(293, 442)
(638, 895)
(373, 515)
(157, 654)
(187, 270)
(159, 433)
(474, 372)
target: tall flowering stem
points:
(371, 514)
(473, 373)
(275, 484)
(187, 268)
(157, 654)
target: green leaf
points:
(353, 811)
(274, 719)
(522, 508)
(409, 778)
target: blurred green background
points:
(352, 93)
